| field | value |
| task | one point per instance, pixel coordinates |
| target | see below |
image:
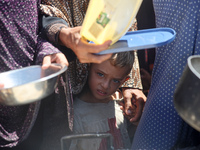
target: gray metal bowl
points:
(187, 93)
(29, 84)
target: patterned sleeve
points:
(53, 21)
(44, 48)
(135, 78)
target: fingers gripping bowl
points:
(29, 84)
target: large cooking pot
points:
(187, 93)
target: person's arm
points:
(52, 20)
(58, 32)
(47, 54)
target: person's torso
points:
(18, 28)
(101, 117)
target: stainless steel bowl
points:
(29, 84)
(187, 93)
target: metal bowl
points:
(187, 93)
(29, 84)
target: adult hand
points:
(54, 58)
(134, 101)
(71, 38)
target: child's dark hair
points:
(123, 59)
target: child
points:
(96, 108)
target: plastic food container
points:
(108, 19)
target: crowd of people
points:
(47, 31)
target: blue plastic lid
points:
(142, 39)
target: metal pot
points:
(187, 93)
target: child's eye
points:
(116, 81)
(100, 74)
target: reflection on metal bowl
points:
(29, 84)
(187, 93)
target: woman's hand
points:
(146, 79)
(134, 101)
(54, 58)
(71, 38)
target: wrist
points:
(62, 35)
(53, 32)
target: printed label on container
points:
(103, 19)
(98, 26)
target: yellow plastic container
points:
(108, 19)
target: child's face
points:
(104, 79)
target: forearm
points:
(50, 28)
(44, 48)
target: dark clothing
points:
(146, 20)
(45, 22)
(20, 46)
(160, 126)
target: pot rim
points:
(191, 59)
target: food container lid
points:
(142, 39)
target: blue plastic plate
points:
(142, 39)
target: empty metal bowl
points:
(187, 93)
(29, 84)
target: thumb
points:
(46, 62)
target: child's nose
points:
(106, 84)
